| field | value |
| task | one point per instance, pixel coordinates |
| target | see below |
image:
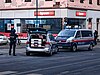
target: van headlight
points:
(68, 41)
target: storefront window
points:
(29, 22)
(54, 25)
(76, 22)
(90, 23)
(8, 24)
(8, 21)
(2, 29)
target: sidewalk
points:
(98, 42)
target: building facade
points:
(53, 15)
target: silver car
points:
(40, 41)
(3, 39)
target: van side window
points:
(78, 34)
(86, 34)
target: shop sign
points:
(80, 13)
(45, 13)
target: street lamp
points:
(37, 25)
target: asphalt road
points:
(82, 62)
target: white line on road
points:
(57, 66)
(78, 70)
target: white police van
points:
(39, 40)
(75, 39)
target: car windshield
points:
(38, 36)
(67, 33)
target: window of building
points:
(90, 1)
(81, 1)
(71, 0)
(98, 2)
(8, 23)
(90, 19)
(48, 0)
(58, 3)
(7, 1)
(27, 0)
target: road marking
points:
(79, 70)
(56, 66)
(7, 72)
(33, 74)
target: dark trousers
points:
(95, 41)
(14, 46)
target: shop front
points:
(76, 18)
(51, 24)
(76, 22)
(50, 19)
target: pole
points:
(36, 13)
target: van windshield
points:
(67, 33)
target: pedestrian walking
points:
(95, 36)
(13, 37)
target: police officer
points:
(95, 36)
(12, 39)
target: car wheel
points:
(50, 53)
(55, 50)
(28, 53)
(90, 47)
(74, 48)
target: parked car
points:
(39, 40)
(3, 39)
(75, 39)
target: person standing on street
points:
(95, 36)
(12, 39)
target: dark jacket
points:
(96, 34)
(13, 36)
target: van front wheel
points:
(74, 48)
(50, 53)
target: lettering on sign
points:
(78, 13)
(45, 13)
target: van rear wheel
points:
(90, 47)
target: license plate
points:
(60, 47)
